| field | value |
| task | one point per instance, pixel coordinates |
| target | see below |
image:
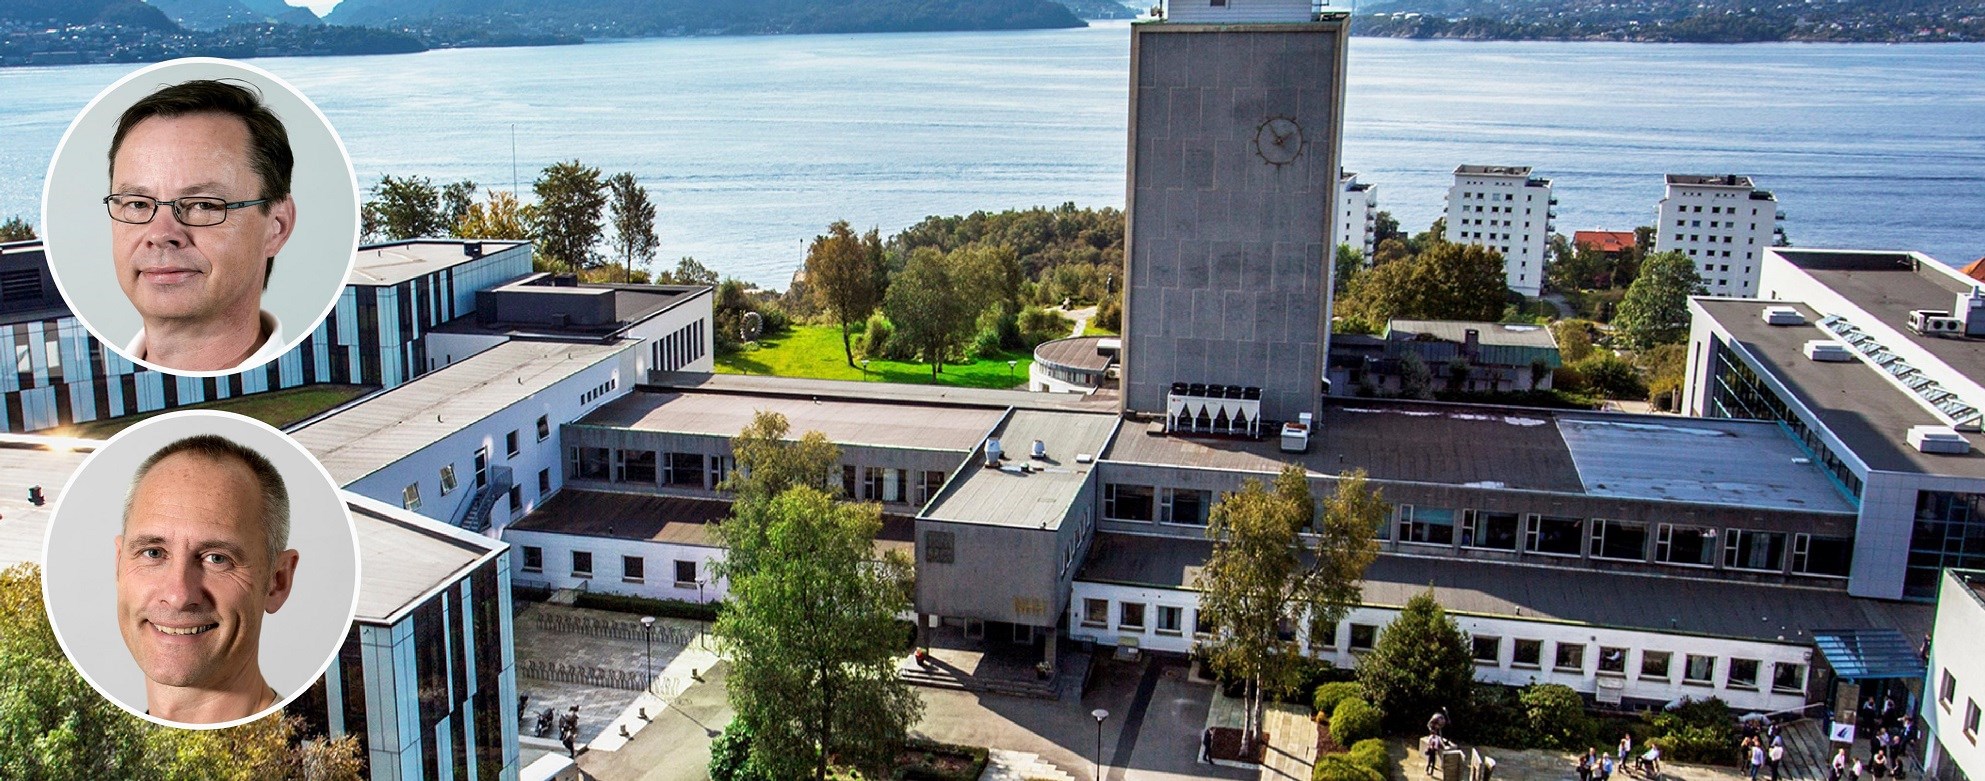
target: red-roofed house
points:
(1975, 269)
(1613, 243)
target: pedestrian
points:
(1433, 752)
(1626, 747)
(1878, 766)
(1775, 757)
(1839, 765)
(1605, 767)
(1855, 770)
(1650, 760)
(1757, 759)
(1585, 766)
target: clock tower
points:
(1236, 115)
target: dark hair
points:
(268, 142)
(275, 495)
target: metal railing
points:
(593, 626)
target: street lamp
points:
(864, 370)
(1009, 369)
(1100, 715)
(648, 640)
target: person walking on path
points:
(1774, 758)
(1757, 760)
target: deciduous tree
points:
(16, 229)
(498, 216)
(1420, 664)
(687, 272)
(1262, 580)
(403, 208)
(1656, 309)
(456, 198)
(847, 277)
(929, 304)
(633, 219)
(571, 197)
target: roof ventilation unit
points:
(1040, 450)
(1828, 351)
(1938, 439)
(1935, 322)
(992, 454)
(1783, 315)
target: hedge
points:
(663, 608)
(1354, 720)
(1329, 694)
(1341, 767)
(918, 771)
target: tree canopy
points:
(16, 229)
(1446, 281)
(931, 305)
(1656, 309)
(570, 199)
(1421, 664)
(846, 275)
(497, 216)
(633, 219)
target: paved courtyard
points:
(554, 650)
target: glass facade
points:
(1736, 392)
(1949, 532)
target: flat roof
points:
(1889, 285)
(399, 261)
(1650, 457)
(1080, 353)
(1492, 170)
(1035, 499)
(899, 392)
(1659, 603)
(843, 421)
(26, 462)
(1710, 180)
(1508, 334)
(386, 427)
(671, 519)
(1869, 415)
(632, 304)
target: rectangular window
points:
(633, 569)
(516, 494)
(1612, 660)
(1529, 653)
(1323, 635)
(1699, 669)
(1130, 616)
(1654, 664)
(1813, 554)
(533, 558)
(544, 428)
(1124, 502)
(1619, 540)
(928, 486)
(1971, 719)
(482, 468)
(587, 463)
(1555, 536)
(1571, 658)
(636, 466)
(1184, 505)
(1492, 530)
(1947, 690)
(544, 482)
(1788, 677)
(1431, 525)
(1689, 546)
(582, 564)
(510, 444)
(685, 572)
(1170, 619)
(1363, 637)
(1486, 650)
(683, 470)
(848, 482)
(1742, 674)
(447, 479)
(1095, 612)
(720, 469)
(410, 497)
(939, 547)
(1754, 550)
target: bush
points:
(1493, 716)
(1329, 694)
(874, 339)
(924, 767)
(664, 608)
(1371, 754)
(1341, 767)
(730, 755)
(1039, 325)
(1611, 376)
(1699, 731)
(1556, 715)
(1354, 720)
(1109, 313)
(1312, 673)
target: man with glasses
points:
(199, 206)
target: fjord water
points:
(751, 145)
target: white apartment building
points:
(1950, 709)
(1506, 209)
(1357, 214)
(1723, 223)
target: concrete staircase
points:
(939, 676)
(1004, 765)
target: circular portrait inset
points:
(201, 216)
(201, 569)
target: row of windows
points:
(1736, 392)
(679, 349)
(1716, 209)
(1697, 237)
(1128, 502)
(1947, 699)
(1692, 546)
(633, 569)
(602, 389)
(1712, 224)
(1491, 196)
(1948, 531)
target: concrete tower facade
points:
(1236, 116)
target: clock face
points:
(1279, 141)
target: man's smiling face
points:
(197, 274)
(194, 574)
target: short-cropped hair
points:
(275, 496)
(268, 142)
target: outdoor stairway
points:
(940, 676)
(1004, 765)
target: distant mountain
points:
(126, 13)
(216, 14)
(1106, 9)
(1692, 21)
(637, 18)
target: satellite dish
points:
(750, 327)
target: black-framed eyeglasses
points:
(195, 212)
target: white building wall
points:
(1231, 11)
(1357, 216)
(658, 569)
(444, 349)
(1954, 652)
(1508, 213)
(1585, 678)
(1722, 229)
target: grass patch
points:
(1090, 328)
(814, 351)
(277, 408)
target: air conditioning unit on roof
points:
(1938, 439)
(1828, 351)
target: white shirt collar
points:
(271, 348)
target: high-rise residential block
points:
(1723, 223)
(1504, 208)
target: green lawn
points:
(276, 408)
(814, 351)
(1090, 328)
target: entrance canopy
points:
(1869, 654)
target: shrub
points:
(1371, 754)
(1611, 376)
(1698, 731)
(924, 767)
(1311, 673)
(730, 755)
(1329, 694)
(1493, 716)
(1038, 325)
(1341, 767)
(1421, 664)
(874, 339)
(1353, 720)
(665, 608)
(1556, 715)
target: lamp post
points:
(864, 370)
(1100, 715)
(1009, 369)
(648, 641)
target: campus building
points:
(1357, 216)
(427, 678)
(1506, 209)
(1950, 709)
(1723, 224)
(1871, 362)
